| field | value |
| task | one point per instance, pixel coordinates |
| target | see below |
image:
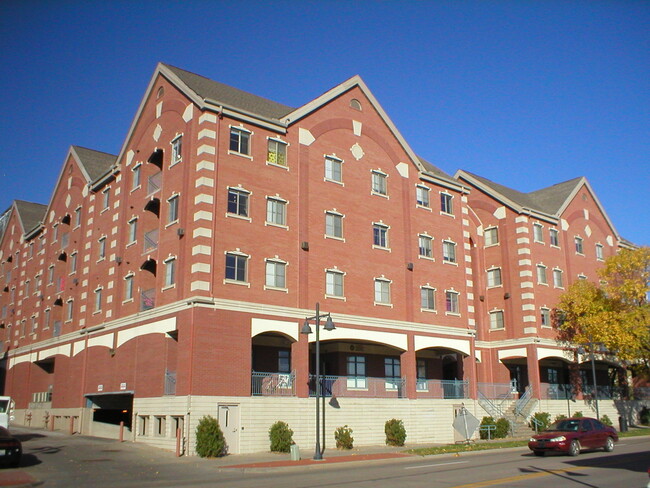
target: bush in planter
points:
(485, 433)
(503, 428)
(543, 421)
(210, 441)
(281, 437)
(644, 416)
(395, 432)
(559, 417)
(343, 437)
(578, 414)
(606, 420)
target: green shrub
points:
(644, 416)
(559, 417)
(395, 432)
(209, 438)
(281, 437)
(484, 433)
(577, 414)
(503, 428)
(606, 420)
(343, 437)
(543, 421)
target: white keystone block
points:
(528, 306)
(205, 149)
(526, 284)
(203, 198)
(528, 296)
(202, 232)
(523, 250)
(203, 181)
(530, 330)
(200, 268)
(207, 117)
(207, 134)
(203, 215)
(523, 240)
(200, 285)
(207, 165)
(207, 250)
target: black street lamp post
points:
(581, 350)
(306, 329)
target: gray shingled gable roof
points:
(437, 171)
(547, 200)
(95, 163)
(230, 97)
(30, 214)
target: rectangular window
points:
(277, 152)
(102, 248)
(557, 278)
(34, 325)
(177, 146)
(541, 275)
(50, 275)
(380, 235)
(106, 198)
(451, 302)
(27, 283)
(31, 249)
(425, 246)
(422, 196)
(284, 361)
(236, 267)
(449, 252)
(578, 243)
(496, 319)
(334, 225)
(69, 307)
(446, 203)
(136, 175)
(128, 287)
(133, 231)
(379, 183)
(334, 283)
(170, 272)
(276, 274)
(422, 375)
(427, 298)
(494, 277)
(55, 232)
(382, 291)
(333, 169)
(172, 209)
(238, 202)
(538, 232)
(46, 319)
(356, 366)
(554, 237)
(545, 317)
(98, 300)
(392, 373)
(491, 236)
(240, 141)
(276, 211)
(73, 262)
(599, 252)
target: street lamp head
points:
(306, 329)
(329, 324)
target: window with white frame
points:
(446, 203)
(578, 244)
(496, 319)
(545, 317)
(334, 224)
(170, 271)
(276, 273)
(494, 277)
(133, 230)
(599, 252)
(276, 210)
(73, 262)
(449, 251)
(55, 232)
(451, 302)
(50, 275)
(392, 373)
(102, 247)
(46, 319)
(172, 209)
(356, 369)
(236, 264)
(538, 232)
(541, 275)
(382, 291)
(422, 196)
(333, 169)
(177, 146)
(34, 325)
(380, 235)
(238, 202)
(425, 246)
(276, 152)
(106, 198)
(31, 249)
(98, 299)
(554, 237)
(582, 276)
(427, 298)
(557, 278)
(491, 236)
(69, 308)
(334, 283)
(136, 176)
(379, 182)
(240, 140)
(128, 287)
(27, 283)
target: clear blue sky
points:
(525, 93)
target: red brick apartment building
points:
(172, 281)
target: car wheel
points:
(609, 445)
(574, 448)
(539, 453)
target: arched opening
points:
(153, 206)
(156, 158)
(66, 219)
(63, 257)
(149, 265)
(272, 369)
(440, 374)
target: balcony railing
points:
(273, 384)
(359, 387)
(496, 390)
(147, 299)
(154, 182)
(442, 389)
(552, 391)
(151, 240)
(604, 391)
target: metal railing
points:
(442, 389)
(147, 299)
(522, 403)
(154, 182)
(493, 408)
(550, 391)
(151, 240)
(170, 383)
(273, 384)
(359, 386)
(496, 390)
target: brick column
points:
(300, 364)
(408, 365)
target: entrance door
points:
(229, 423)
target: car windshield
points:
(566, 425)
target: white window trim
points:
(95, 309)
(385, 226)
(445, 261)
(180, 156)
(337, 159)
(491, 227)
(453, 314)
(558, 270)
(383, 279)
(339, 214)
(582, 245)
(339, 272)
(503, 315)
(542, 309)
(428, 190)
(431, 240)
(286, 144)
(372, 190)
(178, 208)
(131, 275)
(435, 302)
(449, 214)
(276, 198)
(103, 239)
(538, 267)
(537, 225)
(237, 216)
(67, 305)
(238, 252)
(276, 260)
(169, 259)
(487, 271)
(557, 231)
(136, 167)
(105, 191)
(241, 128)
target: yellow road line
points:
(519, 477)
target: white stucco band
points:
(341, 333)
(260, 326)
(158, 327)
(545, 352)
(513, 353)
(425, 342)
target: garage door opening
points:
(111, 408)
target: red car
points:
(572, 435)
